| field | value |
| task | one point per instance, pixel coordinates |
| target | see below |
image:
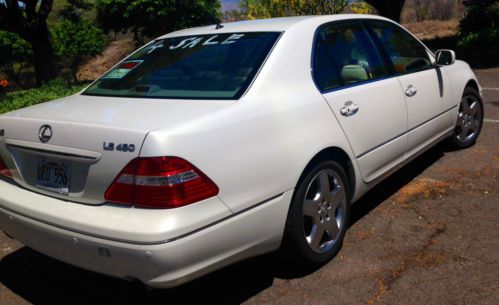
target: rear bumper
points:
(166, 264)
(118, 223)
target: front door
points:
(425, 86)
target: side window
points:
(344, 55)
(406, 53)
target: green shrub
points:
(486, 37)
(74, 41)
(480, 24)
(50, 91)
(152, 18)
(15, 55)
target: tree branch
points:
(31, 9)
(45, 9)
(11, 17)
(3, 11)
(12, 4)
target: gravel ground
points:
(427, 235)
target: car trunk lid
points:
(87, 140)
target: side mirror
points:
(445, 57)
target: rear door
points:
(425, 86)
(363, 95)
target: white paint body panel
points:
(428, 110)
(376, 132)
(254, 149)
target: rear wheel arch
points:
(338, 155)
(316, 223)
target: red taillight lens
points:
(4, 170)
(160, 182)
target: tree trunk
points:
(390, 11)
(30, 22)
(75, 64)
(43, 54)
(388, 8)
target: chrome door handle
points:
(411, 91)
(349, 109)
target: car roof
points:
(267, 25)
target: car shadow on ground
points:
(43, 280)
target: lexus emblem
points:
(45, 133)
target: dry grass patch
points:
(425, 188)
(111, 55)
(430, 29)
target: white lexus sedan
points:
(214, 144)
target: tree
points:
(73, 41)
(233, 15)
(480, 25)
(388, 8)
(279, 8)
(15, 54)
(480, 15)
(75, 37)
(422, 9)
(74, 10)
(360, 8)
(151, 18)
(28, 19)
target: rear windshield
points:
(190, 67)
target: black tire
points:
(298, 242)
(470, 121)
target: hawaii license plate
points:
(53, 176)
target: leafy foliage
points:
(15, 53)
(28, 19)
(50, 91)
(75, 9)
(74, 41)
(151, 18)
(360, 8)
(480, 24)
(256, 9)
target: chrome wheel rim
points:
(324, 210)
(469, 118)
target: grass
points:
(431, 29)
(53, 90)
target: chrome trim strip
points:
(50, 152)
(137, 242)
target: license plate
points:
(53, 176)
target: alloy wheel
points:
(324, 210)
(469, 119)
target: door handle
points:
(349, 109)
(411, 91)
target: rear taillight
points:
(4, 170)
(160, 182)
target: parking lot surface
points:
(427, 235)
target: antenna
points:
(219, 26)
